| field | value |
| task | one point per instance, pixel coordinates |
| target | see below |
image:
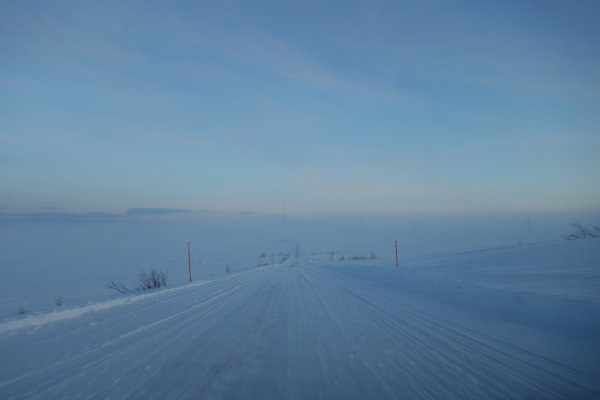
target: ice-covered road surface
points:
(296, 331)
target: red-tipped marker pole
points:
(189, 262)
(396, 242)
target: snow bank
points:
(567, 316)
(569, 269)
(533, 296)
(37, 320)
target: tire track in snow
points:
(469, 333)
(291, 332)
(95, 352)
(456, 347)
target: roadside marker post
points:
(396, 243)
(189, 262)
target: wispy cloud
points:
(256, 49)
(51, 215)
(100, 214)
(155, 211)
(59, 216)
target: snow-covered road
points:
(295, 331)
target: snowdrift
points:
(565, 313)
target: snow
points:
(42, 262)
(38, 320)
(568, 269)
(512, 322)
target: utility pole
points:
(189, 262)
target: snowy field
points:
(74, 262)
(557, 268)
(42, 262)
(510, 322)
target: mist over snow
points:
(43, 260)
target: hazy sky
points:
(327, 107)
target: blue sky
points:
(236, 108)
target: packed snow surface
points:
(306, 329)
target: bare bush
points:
(119, 287)
(147, 280)
(581, 231)
(284, 257)
(153, 280)
(372, 256)
(260, 257)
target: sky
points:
(302, 108)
